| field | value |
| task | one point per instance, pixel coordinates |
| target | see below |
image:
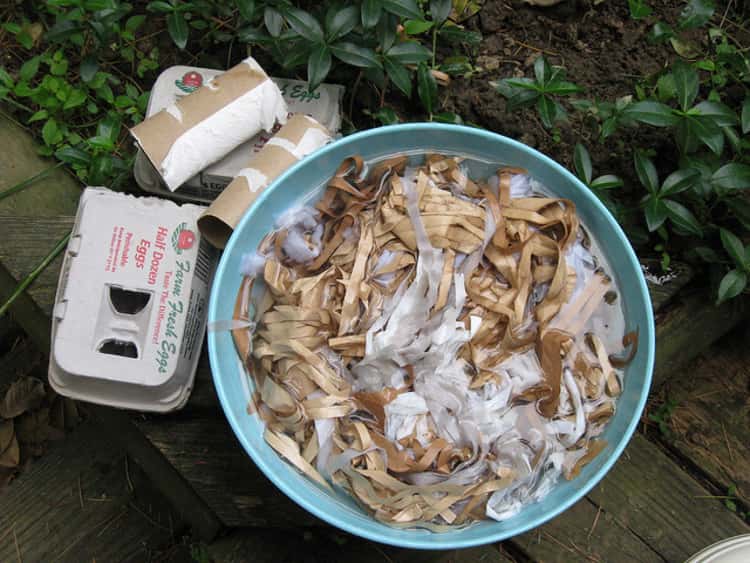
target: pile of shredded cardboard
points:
(425, 341)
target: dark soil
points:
(603, 50)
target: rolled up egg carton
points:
(208, 124)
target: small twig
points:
(146, 516)
(537, 49)
(596, 521)
(27, 281)
(717, 497)
(383, 553)
(127, 475)
(80, 492)
(724, 17)
(15, 542)
(24, 184)
(726, 439)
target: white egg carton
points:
(130, 311)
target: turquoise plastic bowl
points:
(305, 179)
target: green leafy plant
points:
(639, 9)
(599, 185)
(734, 281)
(658, 204)
(693, 123)
(542, 90)
(662, 416)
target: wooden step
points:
(83, 501)
(326, 545)
(710, 422)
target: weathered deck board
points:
(711, 421)
(25, 242)
(206, 452)
(663, 511)
(326, 545)
(686, 331)
(579, 535)
(75, 504)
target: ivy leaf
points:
(386, 31)
(720, 114)
(371, 11)
(607, 182)
(178, 29)
(354, 55)
(109, 128)
(549, 111)
(639, 9)
(89, 66)
(448, 117)
(683, 217)
(343, 22)
(679, 181)
(746, 116)
(404, 8)
(733, 245)
(707, 254)
(415, 27)
(305, 25)
(660, 32)
(72, 155)
(646, 172)
(453, 33)
(386, 116)
(51, 133)
(686, 84)
(732, 176)
(732, 284)
(273, 20)
(5, 78)
(426, 88)
(409, 52)
(652, 113)
(246, 9)
(542, 70)
(29, 69)
(318, 65)
(656, 213)
(582, 162)
(76, 98)
(440, 10)
(709, 133)
(398, 74)
(38, 116)
(696, 13)
(101, 169)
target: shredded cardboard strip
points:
(431, 343)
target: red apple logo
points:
(190, 82)
(186, 239)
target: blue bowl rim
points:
(423, 541)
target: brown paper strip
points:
(222, 216)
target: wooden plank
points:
(712, 416)
(250, 545)
(686, 331)
(56, 193)
(25, 242)
(80, 502)
(584, 533)
(647, 492)
(205, 451)
(166, 478)
(25, 311)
